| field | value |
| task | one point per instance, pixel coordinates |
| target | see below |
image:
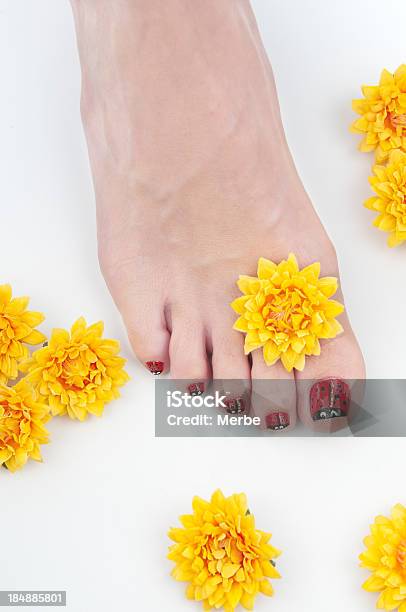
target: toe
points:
(273, 394)
(231, 369)
(150, 342)
(188, 356)
(143, 317)
(331, 385)
(148, 335)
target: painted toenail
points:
(234, 405)
(196, 389)
(155, 367)
(329, 399)
(277, 420)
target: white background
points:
(93, 518)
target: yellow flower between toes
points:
(22, 425)
(389, 184)
(385, 558)
(383, 114)
(286, 311)
(16, 331)
(221, 554)
(78, 372)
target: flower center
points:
(398, 120)
(278, 309)
(276, 316)
(401, 554)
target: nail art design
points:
(277, 420)
(196, 389)
(234, 405)
(329, 399)
(155, 367)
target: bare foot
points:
(194, 182)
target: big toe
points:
(331, 385)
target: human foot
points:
(194, 181)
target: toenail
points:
(234, 405)
(277, 420)
(155, 367)
(329, 399)
(196, 389)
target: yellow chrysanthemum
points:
(226, 560)
(78, 372)
(383, 114)
(385, 557)
(389, 184)
(16, 331)
(22, 425)
(286, 311)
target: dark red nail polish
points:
(155, 367)
(277, 420)
(234, 405)
(329, 399)
(196, 389)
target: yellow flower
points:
(16, 330)
(383, 114)
(220, 553)
(286, 310)
(389, 184)
(78, 372)
(385, 557)
(22, 425)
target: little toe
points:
(151, 348)
(147, 330)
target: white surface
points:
(92, 519)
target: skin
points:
(194, 182)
